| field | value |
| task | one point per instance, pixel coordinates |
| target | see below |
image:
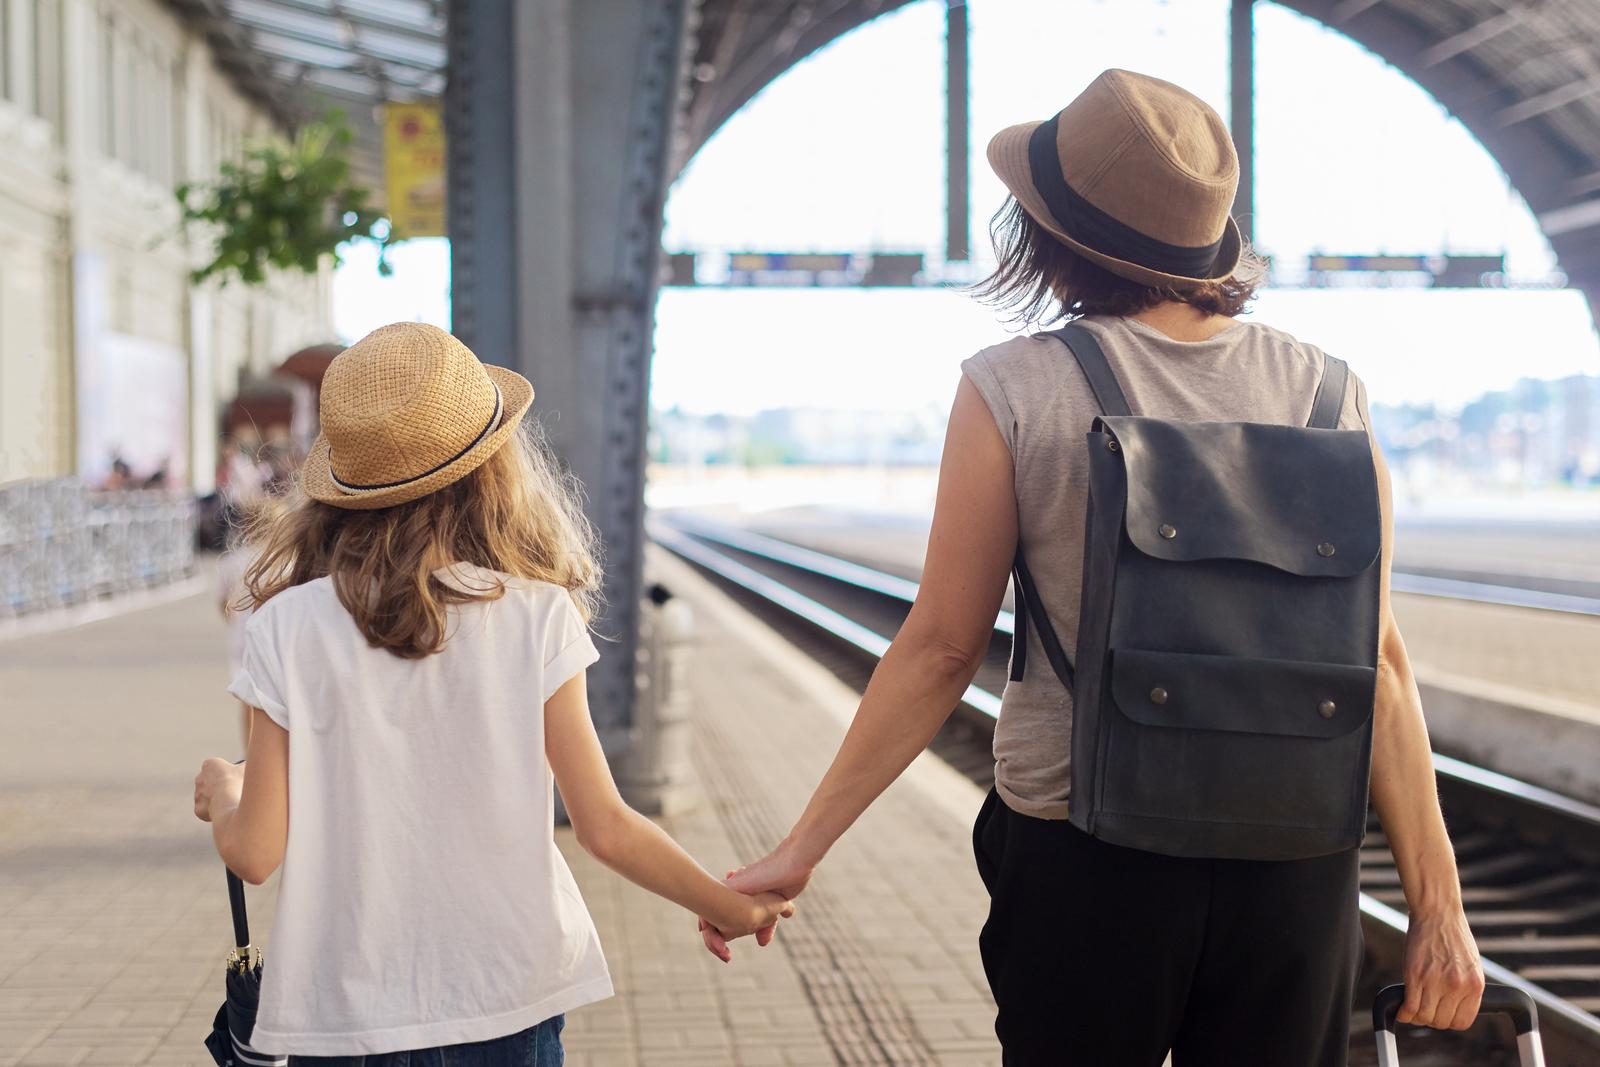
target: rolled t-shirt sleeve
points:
(982, 375)
(259, 681)
(568, 650)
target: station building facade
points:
(106, 350)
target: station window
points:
(47, 60)
(5, 51)
(108, 87)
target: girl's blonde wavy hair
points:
(518, 514)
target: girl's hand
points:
(217, 787)
(758, 914)
(781, 871)
(1444, 980)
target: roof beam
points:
(361, 19)
(359, 57)
(1541, 103)
(1571, 218)
(1469, 38)
(1584, 184)
(1345, 10)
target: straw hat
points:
(1136, 175)
(406, 410)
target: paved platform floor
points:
(113, 916)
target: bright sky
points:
(846, 152)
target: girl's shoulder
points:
(296, 601)
(471, 578)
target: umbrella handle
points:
(241, 922)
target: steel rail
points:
(688, 541)
(904, 589)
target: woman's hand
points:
(781, 872)
(217, 787)
(1444, 980)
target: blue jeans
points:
(537, 1046)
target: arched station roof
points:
(1522, 75)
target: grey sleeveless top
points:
(1040, 401)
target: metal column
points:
(561, 118)
(1242, 106)
(958, 228)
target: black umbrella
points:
(229, 1040)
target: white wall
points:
(105, 105)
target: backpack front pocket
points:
(1235, 747)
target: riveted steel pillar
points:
(562, 115)
(1242, 105)
(958, 227)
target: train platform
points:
(113, 916)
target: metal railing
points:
(62, 543)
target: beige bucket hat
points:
(1136, 175)
(406, 410)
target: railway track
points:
(1529, 858)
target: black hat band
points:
(1084, 222)
(494, 420)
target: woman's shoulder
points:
(1282, 341)
(1026, 359)
(1018, 349)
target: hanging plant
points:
(285, 205)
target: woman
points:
(1100, 954)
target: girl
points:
(417, 655)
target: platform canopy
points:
(304, 57)
(1522, 75)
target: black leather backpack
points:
(1228, 633)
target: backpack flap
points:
(1304, 501)
(1289, 698)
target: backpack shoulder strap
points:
(1092, 360)
(1329, 401)
(1028, 608)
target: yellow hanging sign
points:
(414, 160)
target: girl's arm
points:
(1444, 980)
(249, 813)
(932, 659)
(626, 841)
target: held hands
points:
(757, 914)
(1444, 980)
(781, 875)
(217, 787)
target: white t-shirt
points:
(422, 901)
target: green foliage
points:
(286, 205)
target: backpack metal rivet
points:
(1327, 708)
(1169, 531)
(1325, 549)
(1112, 446)
(1158, 695)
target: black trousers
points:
(1103, 956)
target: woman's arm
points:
(249, 812)
(1444, 980)
(629, 843)
(932, 659)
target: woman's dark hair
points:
(1038, 279)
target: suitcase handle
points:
(1501, 999)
